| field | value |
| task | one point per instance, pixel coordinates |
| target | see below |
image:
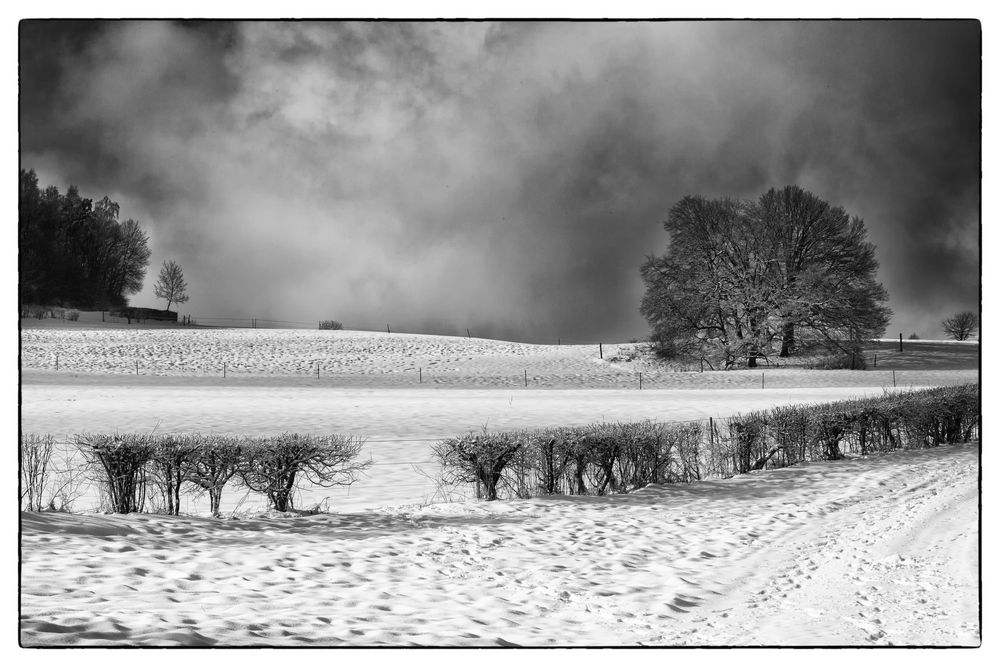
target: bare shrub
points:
(272, 466)
(72, 315)
(35, 459)
(69, 479)
(119, 463)
(330, 325)
(626, 455)
(685, 444)
(645, 454)
(168, 467)
(478, 458)
(747, 441)
(931, 417)
(549, 456)
(214, 460)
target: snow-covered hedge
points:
(596, 459)
(786, 435)
(613, 458)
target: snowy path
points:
(859, 552)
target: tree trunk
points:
(787, 340)
(581, 487)
(762, 461)
(215, 499)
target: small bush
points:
(36, 456)
(119, 461)
(685, 444)
(480, 459)
(72, 315)
(213, 461)
(169, 465)
(330, 325)
(913, 336)
(272, 466)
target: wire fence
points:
(437, 373)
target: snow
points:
(859, 552)
(874, 551)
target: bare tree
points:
(740, 277)
(961, 326)
(170, 285)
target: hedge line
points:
(612, 458)
(132, 469)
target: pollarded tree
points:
(961, 326)
(170, 285)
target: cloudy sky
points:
(505, 177)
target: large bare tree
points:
(740, 276)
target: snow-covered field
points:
(876, 551)
(854, 552)
(376, 359)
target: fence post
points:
(420, 376)
(640, 380)
(711, 433)
(526, 377)
(762, 379)
(57, 361)
(136, 366)
(900, 342)
(600, 349)
(317, 370)
(223, 369)
(387, 329)
(875, 360)
(467, 333)
(894, 378)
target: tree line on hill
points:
(74, 251)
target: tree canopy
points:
(74, 252)
(747, 279)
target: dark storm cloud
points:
(509, 178)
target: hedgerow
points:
(130, 468)
(619, 457)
